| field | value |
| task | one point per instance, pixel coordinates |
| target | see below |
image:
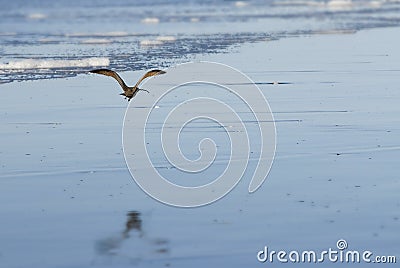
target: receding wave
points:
(44, 44)
(99, 34)
(26, 64)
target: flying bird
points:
(129, 92)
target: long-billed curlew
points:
(129, 92)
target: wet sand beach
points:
(68, 200)
(329, 70)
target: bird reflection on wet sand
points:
(134, 222)
(133, 234)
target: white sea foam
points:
(166, 38)
(50, 64)
(36, 16)
(160, 40)
(7, 33)
(148, 42)
(150, 20)
(91, 41)
(375, 4)
(333, 5)
(340, 4)
(194, 19)
(300, 3)
(100, 34)
(241, 3)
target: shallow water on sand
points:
(68, 200)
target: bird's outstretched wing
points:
(113, 75)
(148, 74)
